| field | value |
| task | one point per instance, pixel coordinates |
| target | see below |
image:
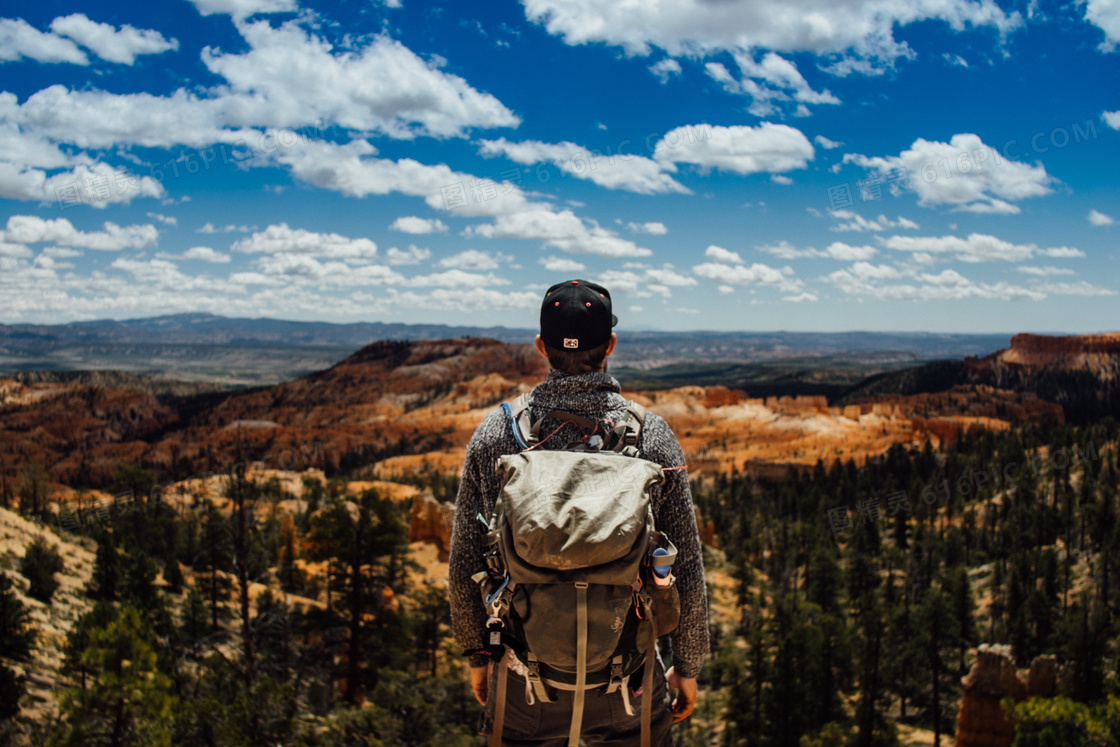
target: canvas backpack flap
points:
(572, 510)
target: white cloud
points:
(1045, 271)
(1099, 219)
(848, 253)
(287, 79)
(624, 171)
(805, 296)
(856, 222)
(756, 274)
(305, 268)
(825, 143)
(206, 254)
(563, 230)
(169, 220)
(865, 282)
(653, 228)
(785, 250)
(60, 252)
(414, 255)
(290, 77)
(12, 249)
(964, 173)
(955, 59)
(456, 278)
(781, 179)
(771, 79)
(945, 277)
(472, 259)
(162, 274)
(415, 225)
(648, 282)
(1080, 288)
(349, 169)
(19, 39)
(244, 8)
(1112, 119)
(665, 69)
(31, 229)
(1105, 15)
(723, 256)
(836, 250)
(739, 149)
(863, 28)
(109, 43)
(976, 248)
(96, 185)
(1061, 252)
(211, 228)
(279, 239)
(465, 300)
(562, 264)
(97, 119)
(866, 271)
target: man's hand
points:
(687, 692)
(480, 682)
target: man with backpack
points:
(574, 547)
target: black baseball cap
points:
(576, 315)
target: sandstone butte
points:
(1096, 354)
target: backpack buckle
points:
(494, 633)
(616, 680)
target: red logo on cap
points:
(571, 343)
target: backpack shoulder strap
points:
(626, 436)
(519, 416)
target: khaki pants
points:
(605, 721)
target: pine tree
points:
(40, 562)
(129, 703)
(11, 690)
(939, 634)
(106, 567)
(33, 489)
(16, 639)
(138, 586)
(78, 639)
(215, 557)
(366, 549)
(272, 636)
(173, 575)
(16, 634)
(195, 618)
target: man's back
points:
(576, 337)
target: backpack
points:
(569, 583)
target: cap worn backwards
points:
(576, 315)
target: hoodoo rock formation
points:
(981, 721)
(431, 521)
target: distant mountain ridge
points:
(206, 347)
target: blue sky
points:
(884, 165)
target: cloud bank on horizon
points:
(879, 165)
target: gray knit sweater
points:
(593, 396)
